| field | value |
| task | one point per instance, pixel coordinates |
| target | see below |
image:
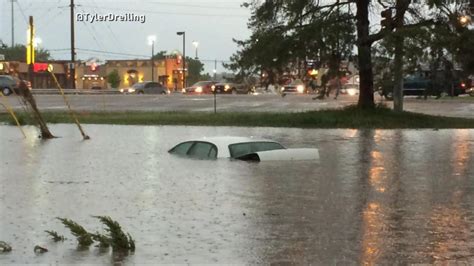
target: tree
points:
(195, 67)
(18, 53)
(294, 16)
(114, 79)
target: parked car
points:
(8, 84)
(231, 88)
(201, 87)
(296, 86)
(146, 87)
(241, 148)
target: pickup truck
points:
(414, 85)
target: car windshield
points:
(240, 149)
(201, 83)
(297, 82)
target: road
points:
(458, 107)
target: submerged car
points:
(241, 148)
(146, 87)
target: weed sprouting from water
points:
(83, 237)
(4, 247)
(104, 241)
(119, 240)
(56, 237)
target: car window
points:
(203, 150)
(138, 85)
(182, 148)
(239, 149)
(152, 85)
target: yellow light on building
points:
(314, 72)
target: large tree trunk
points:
(401, 7)
(398, 75)
(366, 96)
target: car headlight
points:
(351, 92)
(300, 88)
(199, 89)
(282, 89)
(121, 90)
(183, 90)
(226, 87)
(131, 90)
(213, 87)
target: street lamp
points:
(151, 41)
(196, 44)
(184, 56)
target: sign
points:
(40, 67)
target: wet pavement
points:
(461, 106)
(375, 197)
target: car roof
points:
(223, 142)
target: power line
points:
(172, 13)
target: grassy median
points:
(349, 117)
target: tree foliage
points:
(18, 53)
(285, 30)
(114, 79)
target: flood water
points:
(375, 197)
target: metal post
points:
(215, 68)
(73, 51)
(184, 59)
(152, 61)
(13, 26)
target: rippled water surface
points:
(376, 196)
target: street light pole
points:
(73, 50)
(184, 56)
(196, 44)
(13, 25)
(151, 41)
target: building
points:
(40, 79)
(92, 74)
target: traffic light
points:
(387, 20)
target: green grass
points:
(349, 117)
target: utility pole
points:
(72, 67)
(13, 24)
(30, 50)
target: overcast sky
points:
(212, 23)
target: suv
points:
(8, 84)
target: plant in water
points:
(83, 237)
(104, 241)
(56, 237)
(119, 240)
(4, 247)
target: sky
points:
(212, 24)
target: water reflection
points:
(375, 197)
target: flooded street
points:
(375, 196)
